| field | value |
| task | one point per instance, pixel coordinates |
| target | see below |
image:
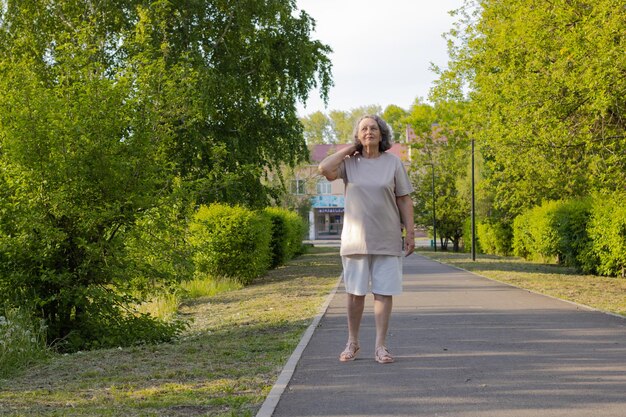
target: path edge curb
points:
(272, 399)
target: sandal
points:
(349, 353)
(382, 355)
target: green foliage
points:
(542, 232)
(317, 129)
(546, 96)
(493, 238)
(607, 231)
(467, 238)
(22, 340)
(73, 180)
(588, 235)
(395, 117)
(297, 232)
(522, 237)
(343, 122)
(163, 306)
(278, 244)
(287, 233)
(107, 111)
(231, 242)
(441, 148)
(208, 286)
(158, 253)
(108, 326)
(535, 234)
(572, 218)
(338, 125)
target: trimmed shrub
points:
(493, 238)
(287, 232)
(279, 247)
(295, 234)
(571, 222)
(606, 253)
(230, 241)
(522, 238)
(535, 234)
(466, 244)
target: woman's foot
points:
(382, 355)
(349, 353)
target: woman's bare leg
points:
(382, 313)
(356, 303)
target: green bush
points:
(111, 327)
(588, 235)
(279, 244)
(571, 222)
(230, 241)
(466, 241)
(157, 248)
(296, 228)
(287, 232)
(522, 237)
(535, 233)
(493, 238)
(607, 232)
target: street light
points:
(473, 209)
(432, 165)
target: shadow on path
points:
(465, 346)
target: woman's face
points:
(369, 133)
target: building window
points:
(323, 187)
(298, 187)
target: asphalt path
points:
(465, 346)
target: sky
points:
(381, 50)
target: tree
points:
(342, 125)
(317, 129)
(114, 111)
(343, 121)
(395, 116)
(442, 148)
(547, 92)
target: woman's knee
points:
(353, 298)
(380, 297)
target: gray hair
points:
(385, 132)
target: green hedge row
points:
(243, 244)
(287, 232)
(588, 234)
(493, 238)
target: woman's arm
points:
(329, 167)
(405, 206)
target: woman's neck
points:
(370, 152)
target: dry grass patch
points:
(603, 293)
(225, 365)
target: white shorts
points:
(380, 273)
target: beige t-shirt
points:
(372, 220)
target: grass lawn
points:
(606, 294)
(224, 365)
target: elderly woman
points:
(377, 206)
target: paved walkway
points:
(465, 346)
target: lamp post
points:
(473, 209)
(432, 166)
